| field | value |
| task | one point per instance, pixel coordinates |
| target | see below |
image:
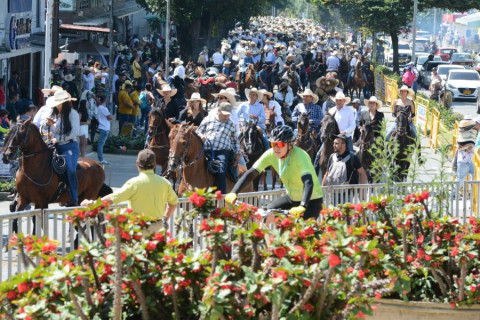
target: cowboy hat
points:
(467, 136)
(373, 99)
(196, 97)
(411, 93)
(226, 94)
(259, 93)
(225, 108)
(466, 125)
(298, 51)
(310, 93)
(177, 61)
(283, 86)
(69, 77)
(266, 93)
(341, 96)
(58, 98)
(167, 88)
(333, 80)
(226, 63)
(54, 89)
(317, 82)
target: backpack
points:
(337, 173)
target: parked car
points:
(404, 54)
(426, 73)
(446, 53)
(464, 84)
(421, 58)
(464, 59)
(421, 45)
(443, 70)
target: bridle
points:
(402, 130)
(18, 147)
(184, 162)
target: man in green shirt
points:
(294, 166)
(147, 193)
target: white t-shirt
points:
(103, 122)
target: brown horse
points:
(252, 144)
(187, 152)
(364, 144)
(358, 81)
(329, 128)
(249, 81)
(158, 131)
(306, 139)
(36, 180)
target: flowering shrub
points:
(335, 269)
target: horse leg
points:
(256, 182)
(264, 177)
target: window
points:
(83, 4)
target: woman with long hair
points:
(84, 122)
(194, 112)
(65, 131)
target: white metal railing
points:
(53, 223)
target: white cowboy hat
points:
(298, 51)
(411, 93)
(466, 124)
(266, 93)
(226, 63)
(467, 136)
(259, 93)
(341, 96)
(373, 99)
(226, 94)
(317, 82)
(310, 93)
(167, 88)
(58, 98)
(54, 89)
(177, 61)
(69, 77)
(196, 97)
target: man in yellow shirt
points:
(147, 193)
(137, 69)
(136, 102)
(125, 105)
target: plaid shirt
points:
(222, 135)
(316, 114)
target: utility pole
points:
(415, 8)
(435, 23)
(55, 28)
(111, 70)
(48, 44)
(167, 40)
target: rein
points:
(184, 153)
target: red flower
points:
(383, 203)
(372, 206)
(359, 207)
(454, 251)
(361, 274)
(428, 257)
(420, 239)
(197, 200)
(11, 295)
(23, 287)
(473, 288)
(159, 237)
(410, 258)
(334, 260)
(424, 195)
(218, 228)
(168, 289)
(218, 193)
(204, 225)
(151, 246)
(258, 233)
(286, 223)
(407, 199)
(308, 307)
(280, 252)
(280, 274)
(122, 218)
(421, 253)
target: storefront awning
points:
(93, 21)
(472, 20)
(84, 28)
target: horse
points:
(36, 180)
(343, 71)
(369, 88)
(252, 143)
(364, 144)
(187, 151)
(209, 85)
(293, 81)
(358, 81)
(249, 81)
(329, 129)
(190, 87)
(158, 131)
(306, 139)
(404, 140)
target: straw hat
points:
(196, 97)
(333, 80)
(466, 124)
(298, 51)
(226, 63)
(58, 98)
(177, 61)
(317, 82)
(266, 93)
(167, 88)
(54, 89)
(226, 94)
(411, 93)
(341, 96)
(255, 90)
(373, 99)
(467, 136)
(310, 93)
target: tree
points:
(201, 22)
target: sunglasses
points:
(221, 98)
(279, 144)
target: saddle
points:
(59, 166)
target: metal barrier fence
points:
(422, 114)
(391, 91)
(445, 198)
(434, 128)
(455, 138)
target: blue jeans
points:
(101, 143)
(463, 169)
(221, 177)
(144, 120)
(71, 151)
(394, 126)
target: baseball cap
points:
(225, 108)
(342, 136)
(146, 159)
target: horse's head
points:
(17, 140)
(252, 139)
(402, 123)
(329, 128)
(156, 122)
(180, 140)
(303, 122)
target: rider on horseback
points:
(309, 106)
(404, 104)
(248, 59)
(304, 194)
(253, 109)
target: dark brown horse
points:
(364, 144)
(405, 143)
(158, 131)
(36, 181)
(252, 144)
(358, 81)
(306, 139)
(249, 81)
(187, 152)
(329, 128)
